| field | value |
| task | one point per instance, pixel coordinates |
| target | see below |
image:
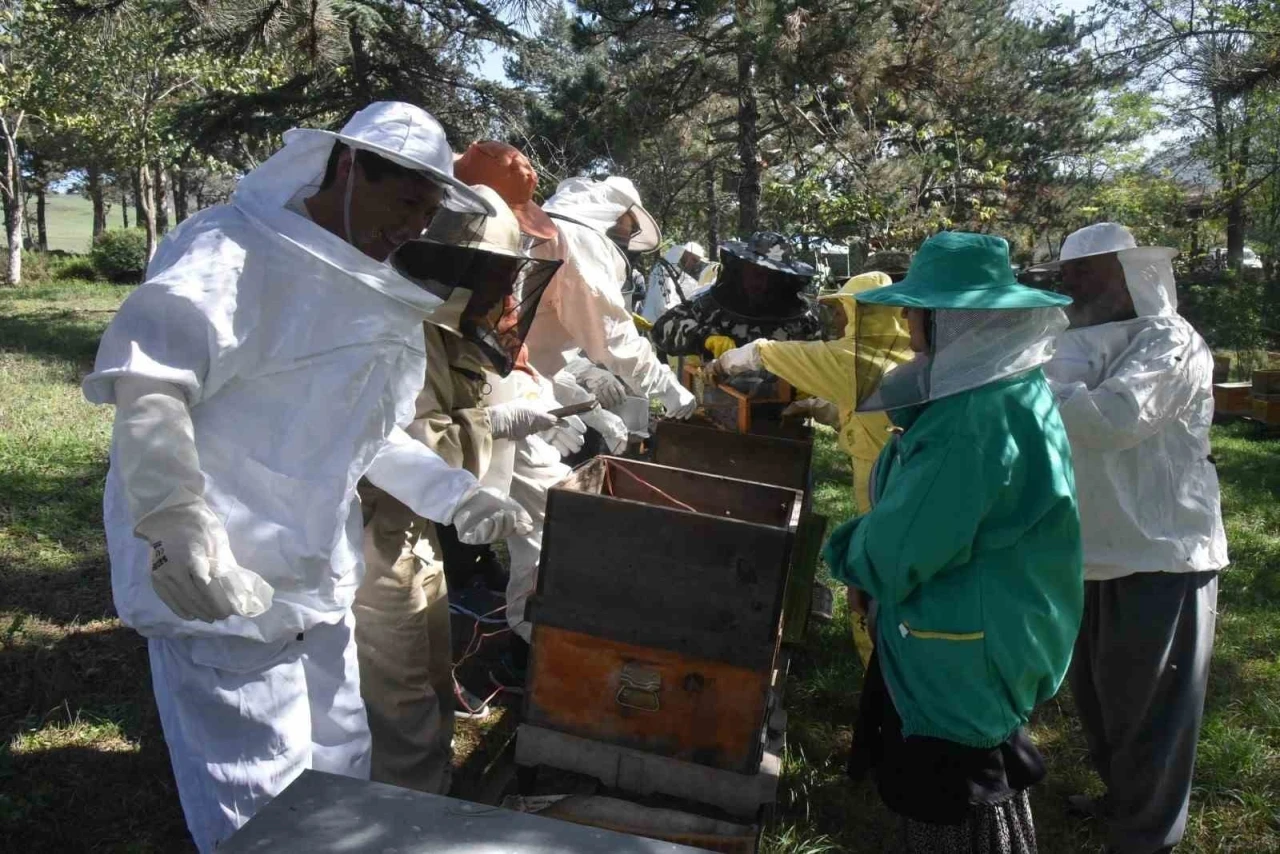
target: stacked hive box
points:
(657, 618)
(1266, 397)
(778, 460)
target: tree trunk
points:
(99, 204)
(359, 64)
(162, 198)
(1235, 232)
(147, 198)
(748, 128)
(13, 216)
(139, 215)
(713, 214)
(14, 220)
(748, 155)
(124, 207)
(42, 227)
(179, 194)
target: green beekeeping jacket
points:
(973, 555)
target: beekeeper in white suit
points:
(267, 363)
(1133, 381)
(599, 222)
(673, 279)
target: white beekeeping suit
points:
(583, 308)
(1137, 398)
(1134, 383)
(669, 281)
(264, 367)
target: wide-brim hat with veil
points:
(984, 325)
(490, 286)
(1148, 270)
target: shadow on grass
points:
(68, 334)
(83, 765)
(52, 555)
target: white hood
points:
(264, 193)
(593, 203)
(599, 204)
(673, 255)
(1148, 273)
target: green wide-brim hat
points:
(959, 270)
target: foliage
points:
(120, 255)
(1232, 312)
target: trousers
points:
(1139, 675)
(404, 648)
(242, 719)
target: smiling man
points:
(272, 359)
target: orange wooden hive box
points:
(1232, 398)
(658, 610)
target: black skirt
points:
(932, 780)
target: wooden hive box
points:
(765, 459)
(1232, 398)
(1266, 383)
(1221, 369)
(1267, 410)
(777, 460)
(656, 626)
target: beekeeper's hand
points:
(607, 388)
(567, 436)
(612, 428)
(822, 411)
(485, 515)
(678, 401)
(739, 360)
(718, 345)
(192, 568)
(518, 419)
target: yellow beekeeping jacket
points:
(828, 369)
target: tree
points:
(1212, 56)
(22, 22)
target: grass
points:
(1236, 798)
(83, 766)
(69, 221)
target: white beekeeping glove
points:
(192, 568)
(567, 437)
(485, 516)
(517, 419)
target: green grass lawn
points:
(83, 764)
(69, 220)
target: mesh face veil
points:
(490, 293)
(968, 348)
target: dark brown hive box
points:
(658, 609)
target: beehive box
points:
(1232, 398)
(1267, 410)
(766, 459)
(658, 610)
(1266, 383)
(1221, 369)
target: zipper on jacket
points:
(907, 631)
